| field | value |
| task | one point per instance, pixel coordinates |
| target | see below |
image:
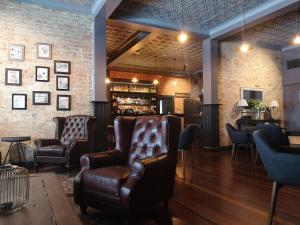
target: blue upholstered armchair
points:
(282, 165)
(238, 138)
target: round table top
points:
(15, 139)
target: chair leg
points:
(69, 167)
(83, 209)
(273, 202)
(256, 157)
(183, 162)
(252, 152)
(36, 165)
(232, 151)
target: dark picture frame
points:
(44, 51)
(63, 102)
(39, 73)
(60, 85)
(19, 101)
(8, 78)
(62, 67)
(37, 100)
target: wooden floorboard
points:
(233, 192)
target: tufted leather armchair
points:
(74, 136)
(135, 176)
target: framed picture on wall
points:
(42, 73)
(16, 52)
(13, 77)
(252, 93)
(41, 98)
(62, 67)
(63, 102)
(62, 83)
(43, 51)
(19, 101)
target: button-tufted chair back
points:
(75, 127)
(148, 138)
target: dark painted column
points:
(211, 129)
(100, 103)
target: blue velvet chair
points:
(186, 139)
(238, 138)
(275, 134)
(282, 165)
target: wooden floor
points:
(220, 191)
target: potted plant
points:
(257, 106)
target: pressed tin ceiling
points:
(276, 33)
(163, 53)
(198, 14)
(77, 3)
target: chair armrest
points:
(101, 159)
(75, 149)
(45, 142)
(151, 170)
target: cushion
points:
(52, 150)
(107, 180)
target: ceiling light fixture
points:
(244, 48)
(296, 39)
(182, 37)
(107, 80)
(134, 80)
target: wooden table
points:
(47, 205)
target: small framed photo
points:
(42, 73)
(41, 98)
(19, 101)
(62, 83)
(62, 67)
(63, 102)
(16, 52)
(43, 51)
(13, 77)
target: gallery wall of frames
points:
(62, 71)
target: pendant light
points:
(182, 37)
(296, 39)
(244, 48)
(134, 79)
(155, 82)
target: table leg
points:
(7, 153)
(23, 151)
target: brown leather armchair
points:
(74, 136)
(138, 174)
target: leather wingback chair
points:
(74, 136)
(135, 176)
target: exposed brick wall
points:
(71, 37)
(165, 86)
(259, 68)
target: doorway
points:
(165, 104)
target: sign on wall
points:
(182, 95)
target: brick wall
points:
(165, 86)
(71, 37)
(260, 68)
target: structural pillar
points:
(100, 103)
(210, 108)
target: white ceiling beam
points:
(253, 17)
(110, 6)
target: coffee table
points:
(47, 205)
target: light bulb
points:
(244, 48)
(134, 80)
(297, 39)
(155, 82)
(182, 37)
(174, 83)
(107, 80)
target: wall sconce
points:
(155, 82)
(134, 80)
